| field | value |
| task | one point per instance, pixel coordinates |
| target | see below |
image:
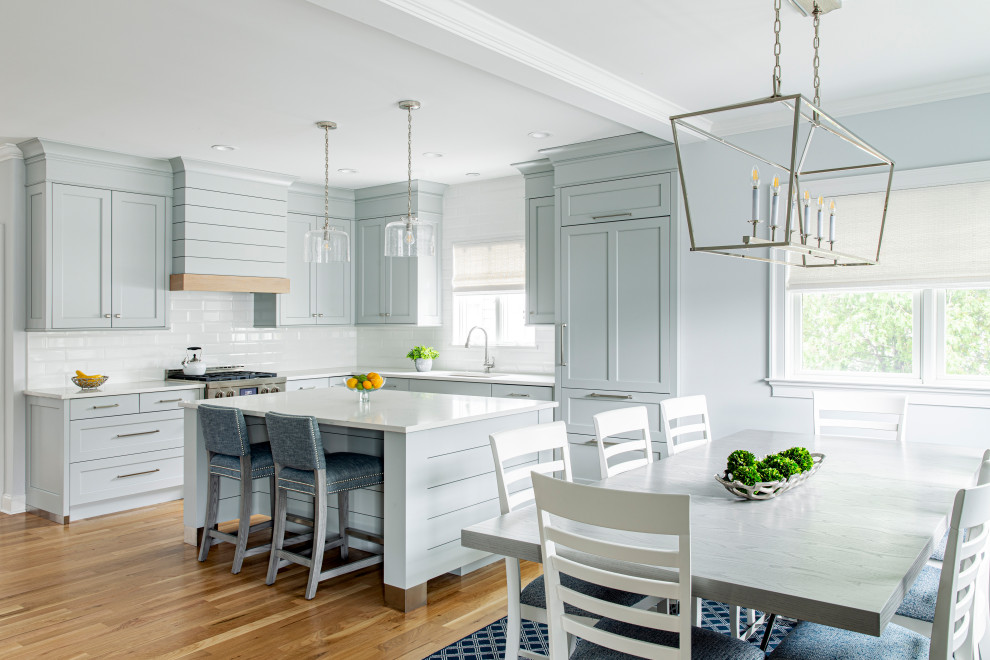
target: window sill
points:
(960, 395)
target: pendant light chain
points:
(409, 167)
(326, 178)
(817, 61)
(776, 48)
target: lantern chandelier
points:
(327, 243)
(410, 236)
(792, 240)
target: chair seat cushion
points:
(939, 554)
(812, 641)
(534, 595)
(345, 471)
(262, 464)
(705, 644)
(919, 603)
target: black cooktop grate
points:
(176, 374)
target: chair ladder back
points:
(615, 422)
(964, 564)
(672, 410)
(612, 564)
(846, 412)
(508, 446)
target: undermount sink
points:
(472, 374)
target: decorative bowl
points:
(89, 383)
(767, 490)
(364, 395)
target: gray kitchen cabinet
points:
(449, 387)
(541, 262)
(394, 290)
(107, 260)
(621, 199)
(319, 294)
(615, 306)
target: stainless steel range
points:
(223, 382)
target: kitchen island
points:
(439, 472)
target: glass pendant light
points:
(327, 243)
(410, 236)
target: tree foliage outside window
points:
(858, 332)
(967, 332)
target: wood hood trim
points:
(240, 284)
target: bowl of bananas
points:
(87, 381)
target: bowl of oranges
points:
(365, 384)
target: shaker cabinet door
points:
(541, 262)
(333, 285)
(371, 271)
(138, 260)
(298, 306)
(81, 257)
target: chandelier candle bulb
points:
(821, 217)
(806, 225)
(775, 204)
(756, 194)
(831, 222)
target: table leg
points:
(766, 633)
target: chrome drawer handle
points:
(112, 405)
(106, 316)
(610, 215)
(169, 400)
(524, 396)
(134, 474)
(116, 316)
(312, 387)
(596, 395)
(131, 435)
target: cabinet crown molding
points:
(183, 164)
(9, 151)
(603, 147)
(530, 167)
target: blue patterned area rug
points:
(489, 642)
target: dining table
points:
(842, 549)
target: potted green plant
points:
(423, 356)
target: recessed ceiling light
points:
(473, 174)
(432, 154)
(223, 147)
(540, 134)
(347, 170)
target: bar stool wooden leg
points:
(271, 497)
(319, 535)
(278, 534)
(244, 521)
(343, 514)
(212, 504)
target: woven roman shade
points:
(495, 266)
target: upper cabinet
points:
(396, 290)
(624, 199)
(97, 238)
(541, 231)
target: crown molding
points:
(9, 151)
(183, 164)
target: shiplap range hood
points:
(228, 228)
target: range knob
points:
(275, 388)
(263, 390)
(229, 393)
(218, 395)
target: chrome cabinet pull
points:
(610, 215)
(313, 315)
(131, 435)
(106, 316)
(596, 395)
(169, 401)
(563, 326)
(320, 315)
(116, 316)
(112, 405)
(134, 474)
(312, 387)
(516, 394)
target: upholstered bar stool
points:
(231, 455)
(302, 466)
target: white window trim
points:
(929, 386)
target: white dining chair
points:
(612, 423)
(517, 457)
(656, 563)
(861, 414)
(956, 631)
(682, 429)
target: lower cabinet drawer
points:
(104, 406)
(535, 392)
(401, 384)
(584, 458)
(107, 437)
(306, 384)
(450, 387)
(103, 479)
(578, 408)
(168, 400)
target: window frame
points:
(930, 384)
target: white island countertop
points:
(545, 380)
(112, 389)
(389, 410)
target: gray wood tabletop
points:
(841, 550)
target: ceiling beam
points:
(463, 32)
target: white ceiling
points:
(173, 77)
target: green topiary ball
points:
(739, 458)
(769, 473)
(801, 456)
(747, 474)
(782, 464)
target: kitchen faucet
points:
(489, 362)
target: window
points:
(919, 318)
(489, 281)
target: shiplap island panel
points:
(429, 442)
(841, 550)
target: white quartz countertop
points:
(112, 389)
(389, 410)
(544, 380)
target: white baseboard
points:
(13, 503)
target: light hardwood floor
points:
(125, 585)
